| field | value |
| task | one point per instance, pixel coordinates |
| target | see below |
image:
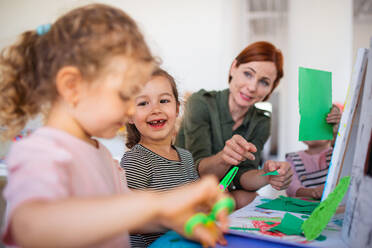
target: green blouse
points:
(207, 124)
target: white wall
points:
(319, 36)
(362, 35)
(197, 40)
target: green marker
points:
(225, 182)
(271, 173)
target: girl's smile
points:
(157, 124)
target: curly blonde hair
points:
(85, 37)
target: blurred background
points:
(197, 41)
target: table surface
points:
(237, 239)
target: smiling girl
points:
(153, 162)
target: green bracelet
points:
(194, 220)
(227, 203)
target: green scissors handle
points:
(202, 219)
(225, 182)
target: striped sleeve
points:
(137, 168)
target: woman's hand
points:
(180, 204)
(236, 150)
(281, 181)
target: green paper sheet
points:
(290, 225)
(315, 102)
(319, 219)
(290, 204)
(271, 173)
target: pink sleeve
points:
(295, 183)
(36, 171)
(122, 177)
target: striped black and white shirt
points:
(309, 170)
(147, 170)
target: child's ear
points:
(69, 82)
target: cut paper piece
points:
(319, 219)
(270, 222)
(243, 228)
(271, 173)
(321, 238)
(290, 225)
(290, 204)
(315, 102)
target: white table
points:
(241, 218)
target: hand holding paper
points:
(283, 179)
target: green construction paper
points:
(299, 202)
(319, 219)
(315, 102)
(271, 173)
(290, 204)
(290, 225)
(321, 238)
(270, 222)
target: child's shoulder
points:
(39, 146)
(186, 154)
(137, 152)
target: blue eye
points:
(247, 74)
(264, 82)
(164, 101)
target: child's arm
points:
(316, 192)
(84, 222)
(295, 183)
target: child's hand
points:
(317, 192)
(180, 204)
(334, 115)
(284, 178)
(236, 150)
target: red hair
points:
(262, 51)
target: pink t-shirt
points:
(310, 163)
(51, 164)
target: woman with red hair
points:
(223, 129)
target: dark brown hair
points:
(262, 51)
(84, 37)
(133, 135)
